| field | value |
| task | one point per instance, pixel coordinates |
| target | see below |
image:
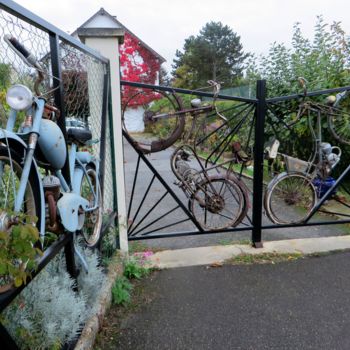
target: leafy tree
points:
(215, 54)
(323, 61)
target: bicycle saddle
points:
(78, 135)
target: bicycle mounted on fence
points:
(292, 195)
(216, 200)
(31, 161)
(170, 122)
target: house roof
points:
(114, 23)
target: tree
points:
(215, 54)
(324, 61)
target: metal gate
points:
(158, 209)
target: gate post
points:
(260, 113)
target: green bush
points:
(121, 291)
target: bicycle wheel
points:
(217, 204)
(93, 220)
(289, 198)
(148, 118)
(11, 171)
(339, 120)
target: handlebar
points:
(21, 51)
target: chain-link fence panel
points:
(83, 83)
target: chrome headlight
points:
(19, 97)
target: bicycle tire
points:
(289, 198)
(91, 230)
(31, 204)
(165, 131)
(338, 119)
(209, 204)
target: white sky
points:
(165, 24)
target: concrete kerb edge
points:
(218, 254)
(93, 325)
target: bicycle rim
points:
(147, 119)
(339, 121)
(289, 199)
(93, 220)
(217, 204)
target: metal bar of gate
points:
(260, 113)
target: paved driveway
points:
(295, 305)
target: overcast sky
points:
(165, 24)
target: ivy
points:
(138, 64)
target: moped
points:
(32, 156)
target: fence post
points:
(260, 113)
(59, 93)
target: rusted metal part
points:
(52, 223)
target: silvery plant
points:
(49, 313)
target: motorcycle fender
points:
(9, 138)
(69, 207)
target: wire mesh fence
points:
(82, 82)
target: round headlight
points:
(19, 97)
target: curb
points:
(93, 325)
(218, 254)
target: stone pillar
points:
(106, 41)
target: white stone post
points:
(106, 41)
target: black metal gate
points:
(149, 216)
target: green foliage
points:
(108, 245)
(134, 269)
(18, 255)
(5, 73)
(215, 54)
(121, 291)
(323, 61)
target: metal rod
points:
(59, 96)
(104, 117)
(142, 201)
(191, 233)
(163, 182)
(318, 223)
(260, 113)
(133, 185)
(311, 93)
(166, 226)
(145, 216)
(154, 221)
(185, 91)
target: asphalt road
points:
(161, 161)
(294, 305)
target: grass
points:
(227, 241)
(264, 258)
(121, 291)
